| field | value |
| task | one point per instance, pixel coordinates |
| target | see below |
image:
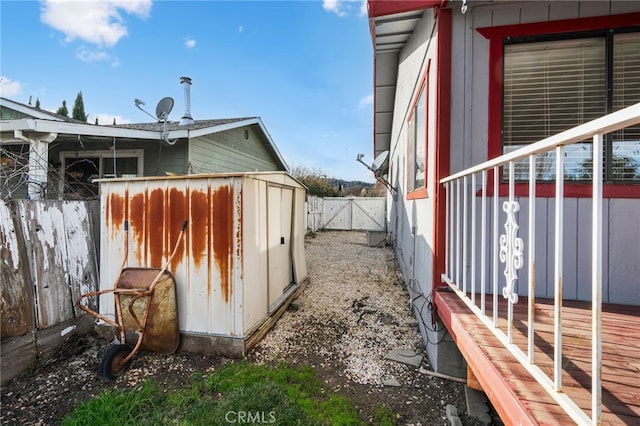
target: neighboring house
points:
(459, 83)
(60, 156)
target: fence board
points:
(43, 225)
(48, 258)
(16, 317)
(82, 265)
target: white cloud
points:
(8, 87)
(96, 22)
(367, 100)
(189, 43)
(88, 55)
(333, 6)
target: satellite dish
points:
(376, 167)
(164, 108)
(379, 161)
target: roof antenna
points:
(138, 102)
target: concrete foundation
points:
(442, 351)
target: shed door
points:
(279, 215)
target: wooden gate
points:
(354, 213)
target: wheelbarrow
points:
(146, 311)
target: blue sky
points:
(305, 67)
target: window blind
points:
(625, 161)
(549, 87)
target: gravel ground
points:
(353, 311)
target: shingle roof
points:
(175, 125)
(49, 113)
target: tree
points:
(63, 109)
(78, 109)
(316, 182)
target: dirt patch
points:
(353, 311)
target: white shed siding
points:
(221, 267)
(469, 130)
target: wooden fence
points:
(346, 213)
(48, 258)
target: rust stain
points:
(155, 228)
(199, 225)
(223, 233)
(136, 223)
(115, 206)
(239, 233)
(177, 216)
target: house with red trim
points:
(525, 283)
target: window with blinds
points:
(624, 161)
(552, 86)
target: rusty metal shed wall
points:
(221, 266)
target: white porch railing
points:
(509, 248)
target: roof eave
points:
(385, 43)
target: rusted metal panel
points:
(214, 263)
(17, 301)
(225, 209)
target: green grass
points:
(383, 416)
(239, 393)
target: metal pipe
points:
(596, 283)
(532, 259)
(557, 323)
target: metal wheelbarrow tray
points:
(146, 312)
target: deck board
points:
(620, 358)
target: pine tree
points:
(63, 109)
(37, 103)
(78, 109)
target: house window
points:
(417, 151)
(81, 168)
(551, 85)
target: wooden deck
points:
(515, 395)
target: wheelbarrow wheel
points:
(112, 365)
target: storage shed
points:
(241, 260)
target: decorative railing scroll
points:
(511, 248)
